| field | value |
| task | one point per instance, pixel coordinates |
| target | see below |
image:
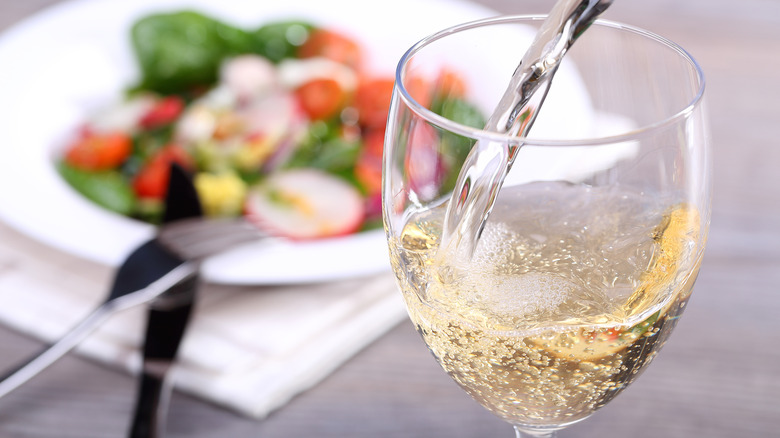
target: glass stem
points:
(534, 433)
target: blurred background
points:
(717, 376)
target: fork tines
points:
(197, 238)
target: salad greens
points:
(456, 146)
(285, 111)
(184, 50)
(278, 41)
(326, 149)
(106, 188)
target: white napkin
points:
(250, 349)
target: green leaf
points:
(372, 224)
(326, 150)
(454, 146)
(278, 41)
(459, 110)
(184, 50)
(107, 189)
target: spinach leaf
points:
(278, 41)
(459, 110)
(181, 51)
(325, 149)
(457, 147)
(107, 189)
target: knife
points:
(144, 275)
(167, 318)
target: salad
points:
(282, 123)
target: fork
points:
(191, 240)
(197, 238)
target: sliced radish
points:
(123, 116)
(274, 116)
(295, 72)
(424, 165)
(248, 76)
(305, 204)
(196, 124)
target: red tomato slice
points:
(374, 142)
(450, 84)
(368, 171)
(152, 180)
(164, 112)
(321, 98)
(420, 90)
(99, 151)
(372, 101)
(332, 45)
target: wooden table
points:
(717, 377)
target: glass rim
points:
(478, 133)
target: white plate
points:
(60, 65)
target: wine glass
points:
(594, 241)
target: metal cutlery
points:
(191, 239)
(198, 238)
(134, 284)
(167, 320)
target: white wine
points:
(570, 292)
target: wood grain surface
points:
(716, 378)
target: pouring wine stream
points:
(488, 163)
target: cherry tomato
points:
(372, 100)
(99, 151)
(374, 142)
(321, 98)
(368, 169)
(164, 112)
(420, 90)
(608, 335)
(152, 180)
(332, 45)
(613, 334)
(450, 84)
(369, 174)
